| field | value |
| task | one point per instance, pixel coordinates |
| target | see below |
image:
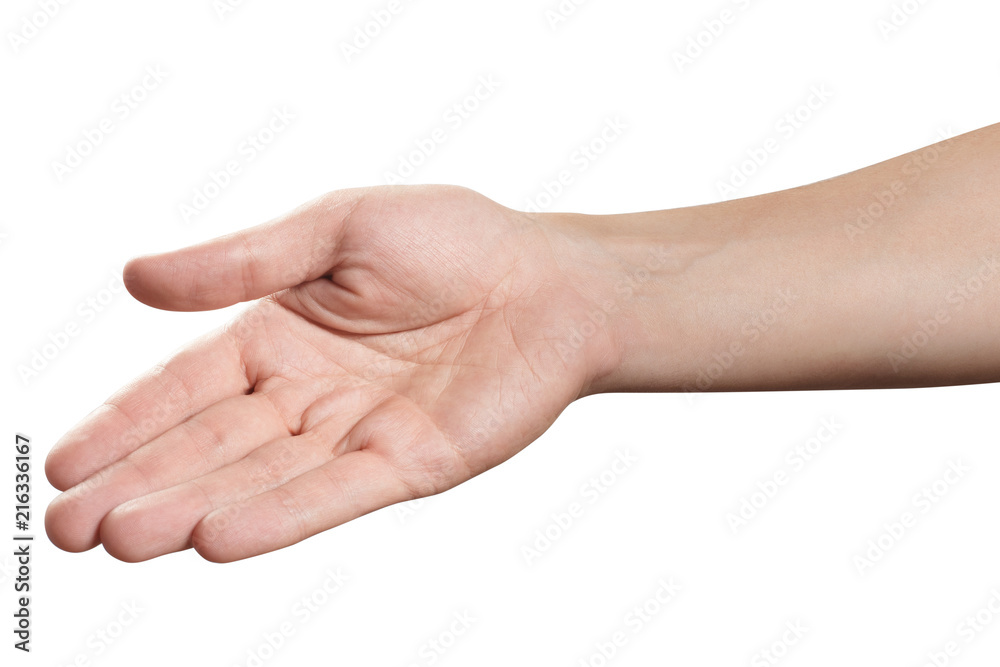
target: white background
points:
(64, 241)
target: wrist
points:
(630, 269)
(683, 299)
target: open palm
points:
(405, 339)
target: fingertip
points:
(55, 469)
(195, 278)
(132, 272)
(154, 525)
(72, 459)
(142, 283)
(63, 528)
(220, 536)
(118, 533)
(205, 539)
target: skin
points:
(405, 339)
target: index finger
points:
(205, 372)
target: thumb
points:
(246, 265)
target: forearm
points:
(884, 277)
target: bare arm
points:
(884, 277)
(406, 339)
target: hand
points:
(405, 340)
